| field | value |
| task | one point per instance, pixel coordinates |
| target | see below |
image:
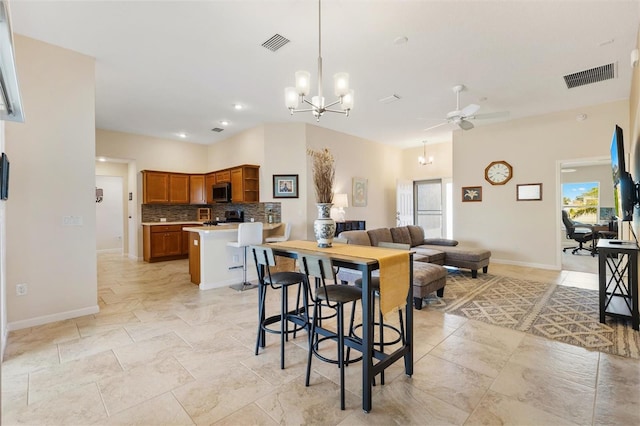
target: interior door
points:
(429, 207)
(404, 202)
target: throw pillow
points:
(417, 235)
(401, 235)
(380, 235)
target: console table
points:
(618, 280)
(350, 225)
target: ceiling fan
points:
(461, 117)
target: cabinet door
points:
(173, 243)
(196, 190)
(209, 181)
(178, 188)
(158, 247)
(237, 186)
(155, 187)
(223, 176)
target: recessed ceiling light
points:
(237, 106)
(224, 122)
(181, 135)
(102, 159)
(581, 117)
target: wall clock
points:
(498, 172)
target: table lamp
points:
(340, 201)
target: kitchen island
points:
(210, 258)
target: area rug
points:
(566, 314)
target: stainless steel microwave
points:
(222, 192)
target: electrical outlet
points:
(21, 289)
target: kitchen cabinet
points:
(165, 187)
(178, 188)
(162, 242)
(155, 187)
(223, 176)
(197, 194)
(245, 184)
(193, 241)
(209, 181)
(185, 239)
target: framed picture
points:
(529, 192)
(359, 195)
(471, 193)
(285, 186)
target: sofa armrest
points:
(440, 242)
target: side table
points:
(618, 280)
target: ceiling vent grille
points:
(593, 75)
(217, 129)
(275, 42)
(389, 99)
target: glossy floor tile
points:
(161, 352)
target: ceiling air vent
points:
(217, 129)
(389, 99)
(275, 42)
(594, 75)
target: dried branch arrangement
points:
(324, 172)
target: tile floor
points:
(162, 352)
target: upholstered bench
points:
(461, 257)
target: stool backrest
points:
(287, 231)
(250, 233)
(263, 256)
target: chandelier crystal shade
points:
(294, 96)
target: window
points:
(582, 201)
(428, 207)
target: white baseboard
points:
(113, 250)
(525, 264)
(46, 319)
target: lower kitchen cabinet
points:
(164, 242)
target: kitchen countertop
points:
(226, 227)
(187, 222)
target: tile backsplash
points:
(181, 213)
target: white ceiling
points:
(164, 67)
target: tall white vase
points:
(324, 227)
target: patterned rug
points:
(567, 314)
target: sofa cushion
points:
(417, 234)
(360, 238)
(428, 255)
(380, 235)
(401, 235)
(440, 242)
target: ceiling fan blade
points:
(469, 110)
(489, 115)
(465, 125)
(437, 125)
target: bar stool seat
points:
(248, 234)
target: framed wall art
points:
(471, 193)
(529, 192)
(359, 195)
(285, 186)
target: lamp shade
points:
(303, 82)
(340, 201)
(291, 97)
(347, 101)
(341, 83)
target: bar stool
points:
(248, 234)
(335, 296)
(265, 259)
(375, 286)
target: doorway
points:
(109, 214)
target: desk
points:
(618, 280)
(366, 266)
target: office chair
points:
(580, 233)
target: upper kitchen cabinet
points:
(165, 187)
(223, 176)
(245, 184)
(197, 194)
(209, 181)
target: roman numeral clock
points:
(498, 172)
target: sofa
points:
(430, 256)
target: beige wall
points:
(52, 176)
(247, 147)
(526, 232)
(442, 166)
(147, 153)
(121, 170)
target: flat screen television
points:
(624, 188)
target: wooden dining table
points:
(341, 256)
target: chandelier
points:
(423, 158)
(296, 95)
